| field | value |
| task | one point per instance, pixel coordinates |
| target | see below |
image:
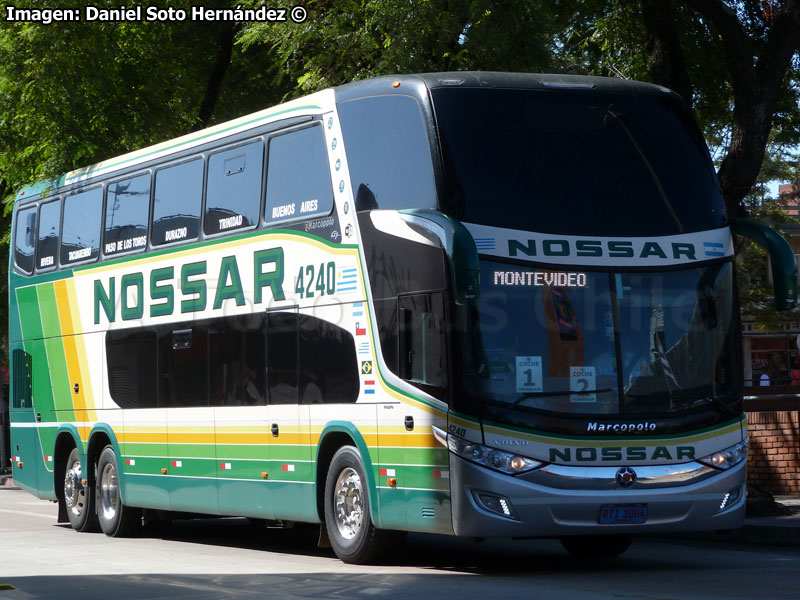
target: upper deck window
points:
(233, 194)
(298, 177)
(584, 162)
(127, 212)
(388, 153)
(49, 232)
(80, 238)
(177, 202)
(23, 239)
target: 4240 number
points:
(316, 281)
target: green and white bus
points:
(478, 304)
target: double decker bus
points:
(477, 304)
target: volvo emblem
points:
(626, 477)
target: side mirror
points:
(784, 265)
(459, 246)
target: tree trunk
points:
(225, 39)
(756, 88)
(667, 67)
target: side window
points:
(298, 177)
(233, 193)
(282, 357)
(49, 231)
(328, 365)
(388, 153)
(238, 360)
(183, 365)
(177, 201)
(23, 239)
(80, 237)
(422, 339)
(386, 318)
(127, 215)
(131, 363)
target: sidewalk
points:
(775, 530)
(780, 528)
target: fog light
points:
(495, 504)
(730, 498)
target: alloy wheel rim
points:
(348, 503)
(109, 492)
(74, 492)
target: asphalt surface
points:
(778, 523)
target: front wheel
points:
(78, 496)
(596, 546)
(347, 512)
(116, 519)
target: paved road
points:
(230, 558)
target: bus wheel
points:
(78, 498)
(116, 519)
(596, 546)
(347, 513)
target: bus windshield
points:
(584, 342)
(557, 161)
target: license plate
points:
(615, 514)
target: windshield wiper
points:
(524, 397)
(620, 119)
(717, 404)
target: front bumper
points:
(568, 501)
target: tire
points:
(347, 512)
(78, 498)
(116, 519)
(596, 546)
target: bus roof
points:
(489, 79)
(400, 84)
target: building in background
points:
(772, 357)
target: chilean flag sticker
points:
(360, 330)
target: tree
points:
(347, 40)
(75, 93)
(734, 62)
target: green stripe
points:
(48, 309)
(29, 313)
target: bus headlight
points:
(499, 460)
(725, 459)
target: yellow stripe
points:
(71, 351)
(64, 314)
(83, 359)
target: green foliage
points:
(347, 40)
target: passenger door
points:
(290, 476)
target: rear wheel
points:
(116, 519)
(78, 497)
(347, 512)
(596, 546)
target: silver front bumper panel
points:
(560, 500)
